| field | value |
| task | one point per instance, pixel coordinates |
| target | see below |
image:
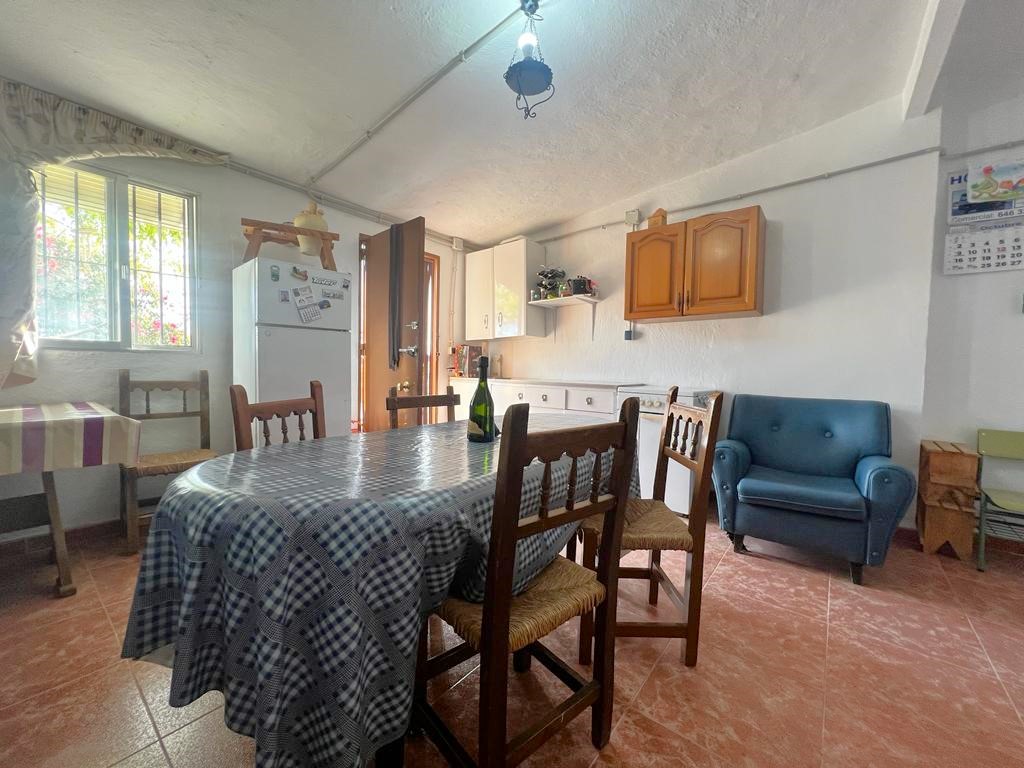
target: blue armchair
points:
(811, 473)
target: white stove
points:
(653, 402)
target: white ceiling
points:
(646, 91)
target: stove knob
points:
(657, 404)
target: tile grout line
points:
(824, 684)
(131, 671)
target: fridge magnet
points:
(300, 274)
(310, 313)
(345, 283)
(324, 304)
(996, 181)
(327, 293)
(302, 294)
(275, 272)
(283, 297)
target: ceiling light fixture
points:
(529, 76)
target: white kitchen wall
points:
(223, 198)
(975, 372)
(848, 266)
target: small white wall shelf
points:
(564, 301)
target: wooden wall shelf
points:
(258, 232)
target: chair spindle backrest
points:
(127, 385)
(394, 404)
(518, 451)
(245, 413)
(688, 437)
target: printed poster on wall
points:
(963, 211)
(996, 181)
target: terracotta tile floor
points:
(922, 666)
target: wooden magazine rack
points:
(258, 232)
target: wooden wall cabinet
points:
(710, 266)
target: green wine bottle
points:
(481, 410)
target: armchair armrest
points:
(888, 488)
(732, 462)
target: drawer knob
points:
(520, 395)
(590, 401)
(544, 398)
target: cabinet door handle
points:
(590, 401)
(501, 319)
(544, 398)
(485, 321)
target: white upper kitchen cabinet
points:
(479, 294)
(498, 283)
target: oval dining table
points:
(294, 578)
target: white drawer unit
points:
(546, 397)
(594, 400)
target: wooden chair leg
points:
(587, 619)
(692, 591)
(522, 660)
(124, 502)
(493, 710)
(570, 548)
(652, 593)
(604, 673)
(131, 488)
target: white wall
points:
(223, 198)
(975, 372)
(848, 265)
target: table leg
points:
(65, 586)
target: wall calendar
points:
(981, 248)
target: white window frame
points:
(119, 255)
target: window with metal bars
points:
(114, 262)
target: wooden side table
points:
(947, 488)
(47, 437)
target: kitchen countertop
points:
(552, 383)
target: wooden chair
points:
(394, 404)
(156, 464)
(244, 413)
(505, 623)
(688, 436)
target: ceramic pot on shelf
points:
(311, 217)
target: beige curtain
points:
(37, 128)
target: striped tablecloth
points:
(43, 438)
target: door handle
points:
(410, 351)
(414, 325)
(404, 386)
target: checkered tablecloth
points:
(294, 578)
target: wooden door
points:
(480, 295)
(377, 374)
(724, 260)
(654, 272)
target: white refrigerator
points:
(292, 324)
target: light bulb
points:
(527, 42)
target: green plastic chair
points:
(1001, 510)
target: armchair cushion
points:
(817, 494)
